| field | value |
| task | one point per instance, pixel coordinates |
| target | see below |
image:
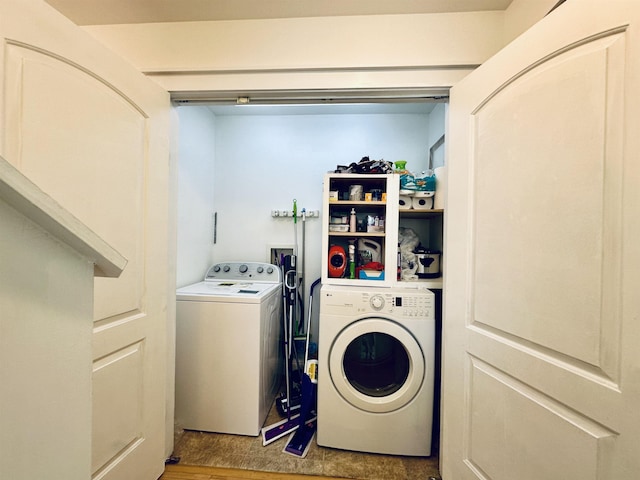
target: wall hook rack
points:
(289, 213)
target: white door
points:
(542, 308)
(94, 134)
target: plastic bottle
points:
(352, 220)
(352, 260)
(400, 165)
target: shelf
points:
(425, 282)
(410, 212)
(356, 234)
(382, 244)
(374, 203)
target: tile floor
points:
(235, 451)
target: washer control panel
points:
(415, 305)
(401, 303)
(254, 271)
(377, 302)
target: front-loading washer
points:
(228, 355)
(376, 369)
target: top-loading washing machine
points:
(376, 369)
(228, 355)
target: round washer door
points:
(376, 365)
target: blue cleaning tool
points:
(300, 440)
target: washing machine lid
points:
(348, 388)
(226, 290)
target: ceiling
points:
(105, 12)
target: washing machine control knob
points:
(377, 302)
(216, 268)
(226, 268)
(260, 269)
(269, 270)
(243, 269)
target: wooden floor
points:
(192, 472)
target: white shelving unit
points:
(336, 216)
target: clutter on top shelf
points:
(366, 165)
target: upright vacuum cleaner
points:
(291, 401)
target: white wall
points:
(263, 162)
(196, 146)
(46, 294)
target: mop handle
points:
(310, 365)
(294, 299)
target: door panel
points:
(93, 133)
(117, 424)
(103, 160)
(547, 194)
(505, 408)
(538, 378)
